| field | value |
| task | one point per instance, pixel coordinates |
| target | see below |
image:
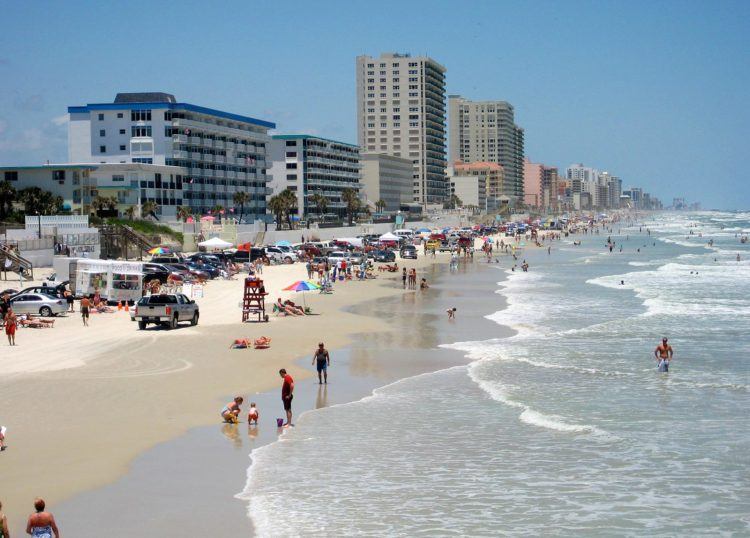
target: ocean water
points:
(565, 428)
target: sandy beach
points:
(81, 403)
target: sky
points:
(655, 92)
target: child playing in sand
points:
(451, 313)
(252, 414)
(231, 411)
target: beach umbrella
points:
(159, 250)
(283, 244)
(303, 286)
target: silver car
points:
(38, 304)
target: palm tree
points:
(380, 205)
(7, 196)
(130, 212)
(183, 213)
(353, 204)
(453, 202)
(277, 205)
(217, 209)
(290, 203)
(149, 209)
(321, 204)
(241, 198)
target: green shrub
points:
(148, 228)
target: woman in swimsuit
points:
(41, 524)
(231, 411)
(11, 322)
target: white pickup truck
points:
(166, 310)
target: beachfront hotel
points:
(485, 131)
(310, 165)
(603, 189)
(387, 178)
(541, 185)
(219, 153)
(401, 112)
(493, 177)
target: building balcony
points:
(179, 154)
(219, 159)
(231, 174)
(195, 140)
(180, 139)
(207, 142)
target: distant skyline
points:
(654, 92)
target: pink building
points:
(533, 175)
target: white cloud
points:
(60, 120)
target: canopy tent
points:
(215, 242)
(283, 243)
(244, 247)
(388, 237)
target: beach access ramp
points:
(10, 260)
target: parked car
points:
(165, 310)
(409, 251)
(384, 256)
(185, 268)
(212, 270)
(38, 303)
(337, 256)
(157, 271)
(356, 258)
(166, 258)
(244, 256)
(53, 291)
(280, 256)
(213, 259)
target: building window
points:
(101, 117)
(118, 178)
(102, 149)
(140, 115)
(123, 147)
(102, 132)
(122, 131)
(143, 161)
(58, 175)
(291, 177)
(11, 176)
(140, 131)
(291, 153)
(291, 166)
(119, 114)
(290, 143)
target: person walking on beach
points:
(41, 524)
(4, 306)
(85, 308)
(323, 360)
(287, 394)
(403, 277)
(663, 354)
(4, 532)
(11, 324)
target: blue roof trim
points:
(172, 106)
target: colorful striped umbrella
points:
(303, 286)
(159, 250)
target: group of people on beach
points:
(230, 413)
(41, 524)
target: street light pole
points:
(39, 222)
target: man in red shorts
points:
(287, 393)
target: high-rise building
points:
(387, 178)
(401, 112)
(486, 131)
(220, 153)
(493, 178)
(470, 186)
(310, 165)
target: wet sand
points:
(187, 485)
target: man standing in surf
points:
(287, 393)
(663, 354)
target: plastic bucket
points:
(279, 422)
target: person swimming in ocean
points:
(663, 355)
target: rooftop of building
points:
(399, 55)
(371, 155)
(155, 100)
(477, 165)
(91, 166)
(313, 137)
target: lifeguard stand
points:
(254, 299)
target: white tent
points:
(389, 237)
(215, 242)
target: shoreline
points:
(221, 467)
